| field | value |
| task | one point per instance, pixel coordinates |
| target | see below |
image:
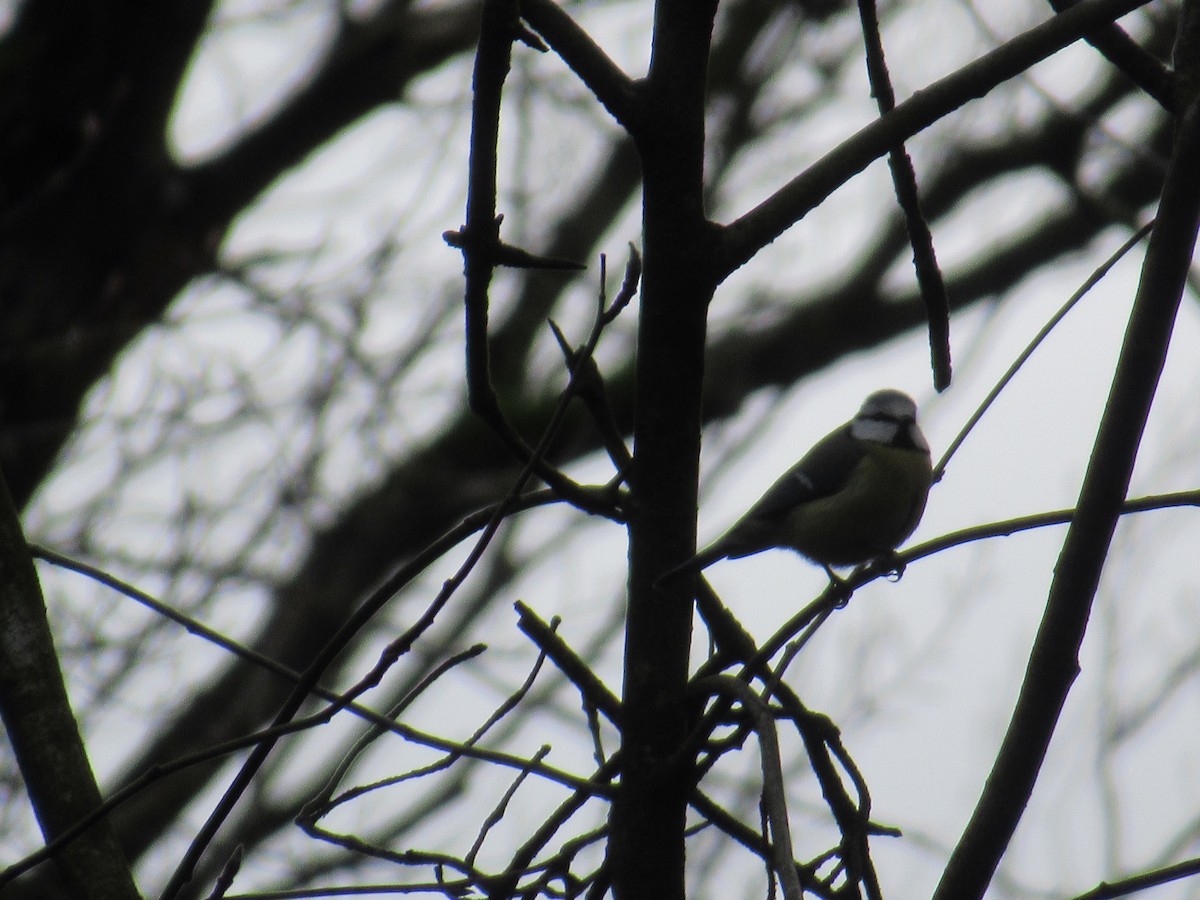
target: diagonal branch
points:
(1122, 51)
(42, 728)
(1054, 663)
(744, 237)
(612, 87)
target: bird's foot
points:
(839, 587)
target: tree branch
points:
(1122, 51)
(646, 856)
(904, 179)
(1053, 663)
(615, 90)
(42, 728)
(774, 796)
(744, 237)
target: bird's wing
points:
(822, 472)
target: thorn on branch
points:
(498, 253)
(522, 33)
(629, 287)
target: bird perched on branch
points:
(854, 497)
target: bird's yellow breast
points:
(874, 512)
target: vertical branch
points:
(481, 233)
(1054, 661)
(479, 238)
(646, 847)
(904, 178)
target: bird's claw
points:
(839, 587)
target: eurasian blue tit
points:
(855, 496)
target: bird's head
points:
(889, 417)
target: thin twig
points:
(1054, 658)
(773, 793)
(1143, 881)
(595, 693)
(1092, 280)
(497, 814)
(741, 239)
(904, 180)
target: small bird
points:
(854, 497)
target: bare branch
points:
(42, 728)
(612, 87)
(773, 794)
(1053, 662)
(744, 237)
(593, 690)
(904, 178)
(1122, 51)
(1136, 883)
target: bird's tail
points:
(701, 560)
